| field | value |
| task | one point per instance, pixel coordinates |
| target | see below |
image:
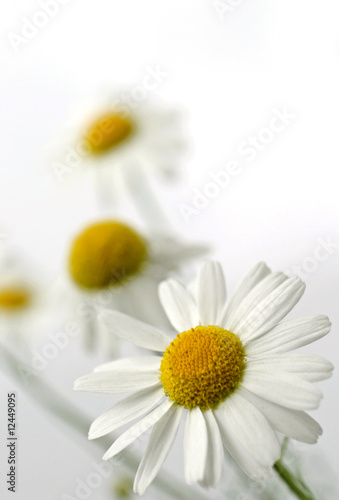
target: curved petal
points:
(179, 305)
(247, 436)
(215, 453)
(270, 310)
(126, 410)
(295, 424)
(245, 286)
(195, 446)
(158, 447)
(211, 292)
(135, 331)
(307, 366)
(282, 388)
(262, 290)
(290, 335)
(138, 429)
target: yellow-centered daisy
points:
(229, 369)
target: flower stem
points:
(50, 399)
(295, 484)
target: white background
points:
(229, 73)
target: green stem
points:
(59, 406)
(295, 484)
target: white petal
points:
(245, 286)
(137, 429)
(290, 335)
(270, 310)
(215, 453)
(179, 305)
(262, 290)
(136, 363)
(195, 446)
(211, 292)
(135, 331)
(307, 366)
(295, 424)
(247, 436)
(117, 381)
(158, 447)
(282, 388)
(126, 410)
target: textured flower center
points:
(202, 366)
(107, 132)
(14, 298)
(106, 254)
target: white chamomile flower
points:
(114, 140)
(24, 301)
(229, 370)
(113, 265)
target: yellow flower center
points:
(107, 132)
(14, 298)
(106, 254)
(202, 366)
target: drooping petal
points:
(247, 436)
(135, 331)
(215, 452)
(158, 447)
(179, 305)
(290, 335)
(295, 424)
(126, 410)
(137, 429)
(307, 366)
(195, 446)
(245, 286)
(282, 388)
(270, 310)
(211, 292)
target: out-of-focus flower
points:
(113, 265)
(24, 301)
(229, 369)
(113, 143)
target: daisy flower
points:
(25, 304)
(228, 369)
(115, 141)
(113, 265)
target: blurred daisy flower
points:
(24, 300)
(115, 140)
(228, 369)
(112, 265)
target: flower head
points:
(105, 254)
(229, 370)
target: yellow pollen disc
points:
(106, 254)
(107, 132)
(14, 298)
(202, 366)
